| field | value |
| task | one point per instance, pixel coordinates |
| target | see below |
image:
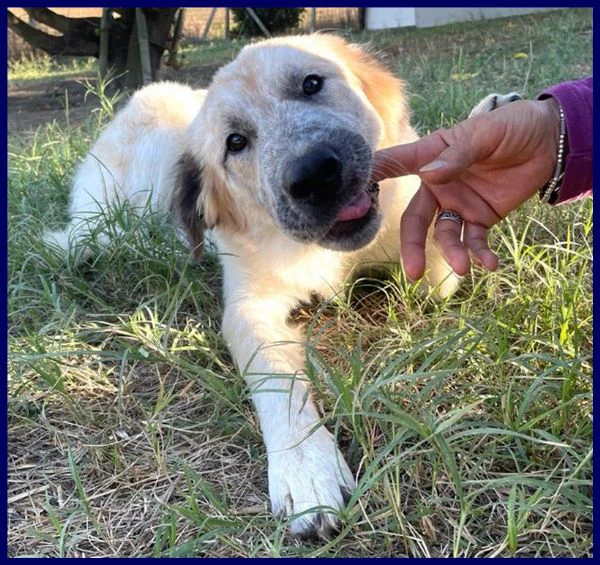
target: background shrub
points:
(276, 20)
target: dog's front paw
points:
(493, 101)
(310, 482)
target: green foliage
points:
(276, 20)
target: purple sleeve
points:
(575, 98)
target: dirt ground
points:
(33, 103)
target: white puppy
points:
(275, 160)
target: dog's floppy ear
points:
(385, 91)
(187, 202)
(201, 201)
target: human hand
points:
(483, 168)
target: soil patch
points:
(32, 103)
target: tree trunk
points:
(79, 34)
(362, 18)
(103, 40)
(126, 57)
(177, 33)
(204, 35)
(159, 26)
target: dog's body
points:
(275, 160)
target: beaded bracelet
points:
(549, 192)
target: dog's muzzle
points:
(324, 194)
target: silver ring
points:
(449, 215)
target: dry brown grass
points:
(131, 465)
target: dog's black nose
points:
(314, 177)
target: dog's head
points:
(285, 141)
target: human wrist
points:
(556, 127)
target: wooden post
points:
(362, 18)
(208, 24)
(313, 20)
(177, 32)
(133, 67)
(104, 27)
(143, 45)
(226, 23)
(256, 19)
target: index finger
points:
(407, 158)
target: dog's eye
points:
(312, 84)
(236, 142)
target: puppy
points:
(274, 159)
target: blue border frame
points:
(3, 201)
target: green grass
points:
(468, 422)
(217, 52)
(44, 67)
(448, 74)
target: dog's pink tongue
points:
(358, 208)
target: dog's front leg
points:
(308, 477)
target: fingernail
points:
(433, 166)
